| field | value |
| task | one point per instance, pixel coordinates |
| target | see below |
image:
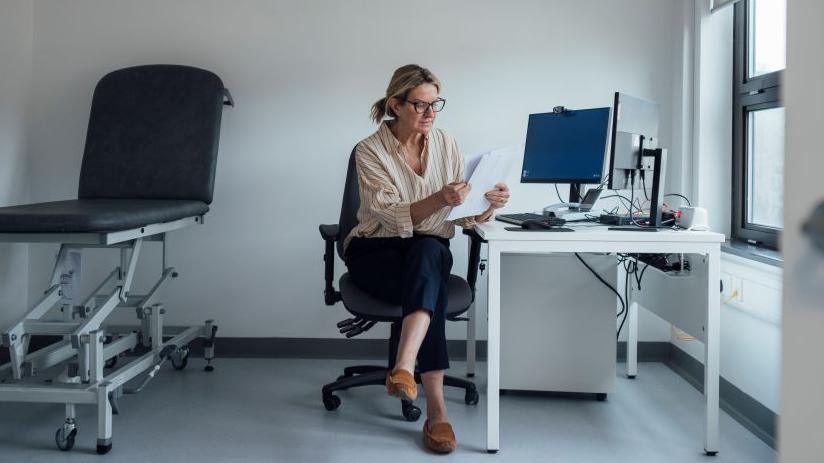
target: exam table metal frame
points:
(77, 363)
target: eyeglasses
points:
(422, 106)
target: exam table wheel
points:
(64, 437)
(180, 358)
(332, 402)
(410, 411)
(601, 397)
(472, 397)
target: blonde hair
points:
(404, 79)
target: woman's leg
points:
(427, 264)
(413, 331)
(435, 403)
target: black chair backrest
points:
(350, 204)
(153, 134)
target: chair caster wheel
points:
(208, 368)
(410, 412)
(630, 376)
(600, 397)
(180, 359)
(492, 451)
(472, 397)
(710, 454)
(331, 402)
(103, 449)
(470, 375)
(65, 439)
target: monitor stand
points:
(570, 211)
(658, 157)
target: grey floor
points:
(270, 410)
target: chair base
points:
(373, 375)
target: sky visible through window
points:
(768, 36)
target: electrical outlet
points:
(726, 285)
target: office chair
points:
(368, 310)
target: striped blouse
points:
(388, 186)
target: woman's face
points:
(408, 116)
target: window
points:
(758, 121)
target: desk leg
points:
(470, 340)
(631, 324)
(711, 351)
(493, 349)
(632, 340)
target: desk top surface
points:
(585, 231)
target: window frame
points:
(760, 92)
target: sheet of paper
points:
(488, 169)
(470, 163)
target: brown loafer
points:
(439, 437)
(401, 384)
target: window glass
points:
(765, 167)
(767, 36)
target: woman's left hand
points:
(498, 197)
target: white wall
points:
(802, 399)
(15, 55)
(712, 114)
(304, 74)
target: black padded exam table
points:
(148, 170)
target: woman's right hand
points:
(453, 194)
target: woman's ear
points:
(394, 106)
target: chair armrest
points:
(473, 235)
(475, 242)
(330, 232)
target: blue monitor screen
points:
(567, 147)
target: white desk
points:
(588, 239)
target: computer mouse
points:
(535, 225)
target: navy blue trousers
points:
(413, 273)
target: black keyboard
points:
(518, 219)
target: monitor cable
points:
(623, 303)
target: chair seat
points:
(95, 215)
(360, 303)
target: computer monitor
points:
(634, 128)
(634, 155)
(569, 146)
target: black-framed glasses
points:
(422, 106)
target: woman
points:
(410, 176)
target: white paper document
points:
(483, 171)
